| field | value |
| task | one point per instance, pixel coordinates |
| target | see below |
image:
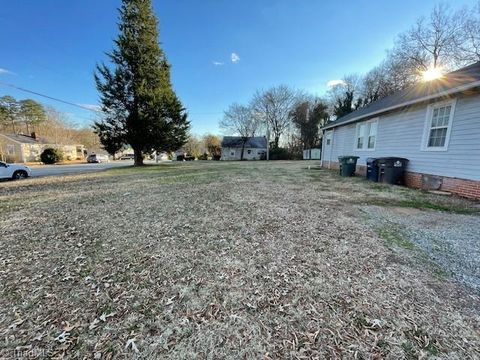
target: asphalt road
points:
(56, 170)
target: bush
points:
(280, 154)
(203, 157)
(51, 156)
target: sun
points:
(432, 74)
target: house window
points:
(366, 135)
(438, 126)
(232, 153)
(10, 149)
(329, 137)
(249, 151)
(372, 135)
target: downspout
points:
(331, 150)
(323, 148)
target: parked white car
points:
(96, 158)
(14, 171)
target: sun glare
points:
(432, 74)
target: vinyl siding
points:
(400, 134)
(237, 153)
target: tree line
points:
(447, 39)
(18, 115)
(288, 117)
(29, 116)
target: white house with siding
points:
(436, 125)
(253, 148)
(27, 148)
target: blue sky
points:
(51, 46)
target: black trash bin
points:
(372, 169)
(391, 170)
(348, 165)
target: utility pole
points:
(268, 142)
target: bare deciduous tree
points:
(344, 97)
(194, 146)
(240, 120)
(274, 106)
(309, 116)
(469, 49)
(213, 145)
(432, 42)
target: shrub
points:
(279, 154)
(51, 156)
(203, 157)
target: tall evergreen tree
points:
(139, 105)
(8, 111)
(31, 113)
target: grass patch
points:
(393, 236)
(460, 207)
(428, 204)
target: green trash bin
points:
(348, 164)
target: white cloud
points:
(235, 58)
(333, 83)
(91, 107)
(218, 63)
(5, 71)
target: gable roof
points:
(258, 142)
(25, 139)
(456, 81)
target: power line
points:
(48, 97)
(79, 105)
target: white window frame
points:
(328, 137)
(366, 135)
(428, 125)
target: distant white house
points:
(435, 125)
(254, 148)
(27, 148)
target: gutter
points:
(9, 139)
(407, 103)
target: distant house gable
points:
(24, 139)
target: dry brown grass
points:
(218, 260)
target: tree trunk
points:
(276, 141)
(138, 156)
(243, 149)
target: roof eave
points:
(407, 103)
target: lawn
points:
(225, 260)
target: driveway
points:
(58, 170)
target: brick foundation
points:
(463, 187)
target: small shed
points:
(312, 154)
